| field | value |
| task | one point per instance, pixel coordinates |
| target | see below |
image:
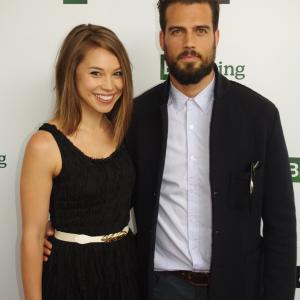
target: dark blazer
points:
(247, 263)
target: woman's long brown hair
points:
(78, 42)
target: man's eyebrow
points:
(183, 28)
(175, 27)
(203, 26)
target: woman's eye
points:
(118, 73)
(95, 73)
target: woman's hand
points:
(48, 245)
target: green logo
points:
(75, 1)
(3, 163)
(163, 68)
(237, 72)
(295, 168)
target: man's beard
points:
(189, 74)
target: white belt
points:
(85, 239)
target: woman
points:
(77, 168)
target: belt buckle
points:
(82, 239)
(113, 237)
(201, 280)
(195, 279)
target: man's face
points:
(189, 42)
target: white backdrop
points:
(262, 36)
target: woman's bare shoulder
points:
(43, 149)
(41, 141)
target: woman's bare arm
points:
(40, 164)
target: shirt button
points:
(191, 126)
(193, 157)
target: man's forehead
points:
(188, 15)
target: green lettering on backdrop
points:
(295, 168)
(163, 68)
(75, 1)
(3, 161)
(238, 72)
(85, 1)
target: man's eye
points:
(201, 31)
(176, 31)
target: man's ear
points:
(217, 37)
(162, 40)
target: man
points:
(212, 166)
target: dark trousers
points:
(169, 286)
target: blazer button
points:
(154, 194)
(215, 193)
(217, 232)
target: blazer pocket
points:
(258, 181)
(239, 190)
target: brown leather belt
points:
(199, 279)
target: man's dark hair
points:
(164, 4)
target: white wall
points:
(262, 35)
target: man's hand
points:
(47, 245)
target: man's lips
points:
(189, 56)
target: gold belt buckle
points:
(113, 236)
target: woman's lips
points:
(104, 98)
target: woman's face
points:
(99, 80)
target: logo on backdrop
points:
(75, 1)
(3, 163)
(295, 168)
(85, 1)
(233, 71)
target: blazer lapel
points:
(220, 130)
(164, 127)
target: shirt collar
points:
(204, 99)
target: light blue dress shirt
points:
(184, 227)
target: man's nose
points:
(189, 40)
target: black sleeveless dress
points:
(90, 196)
